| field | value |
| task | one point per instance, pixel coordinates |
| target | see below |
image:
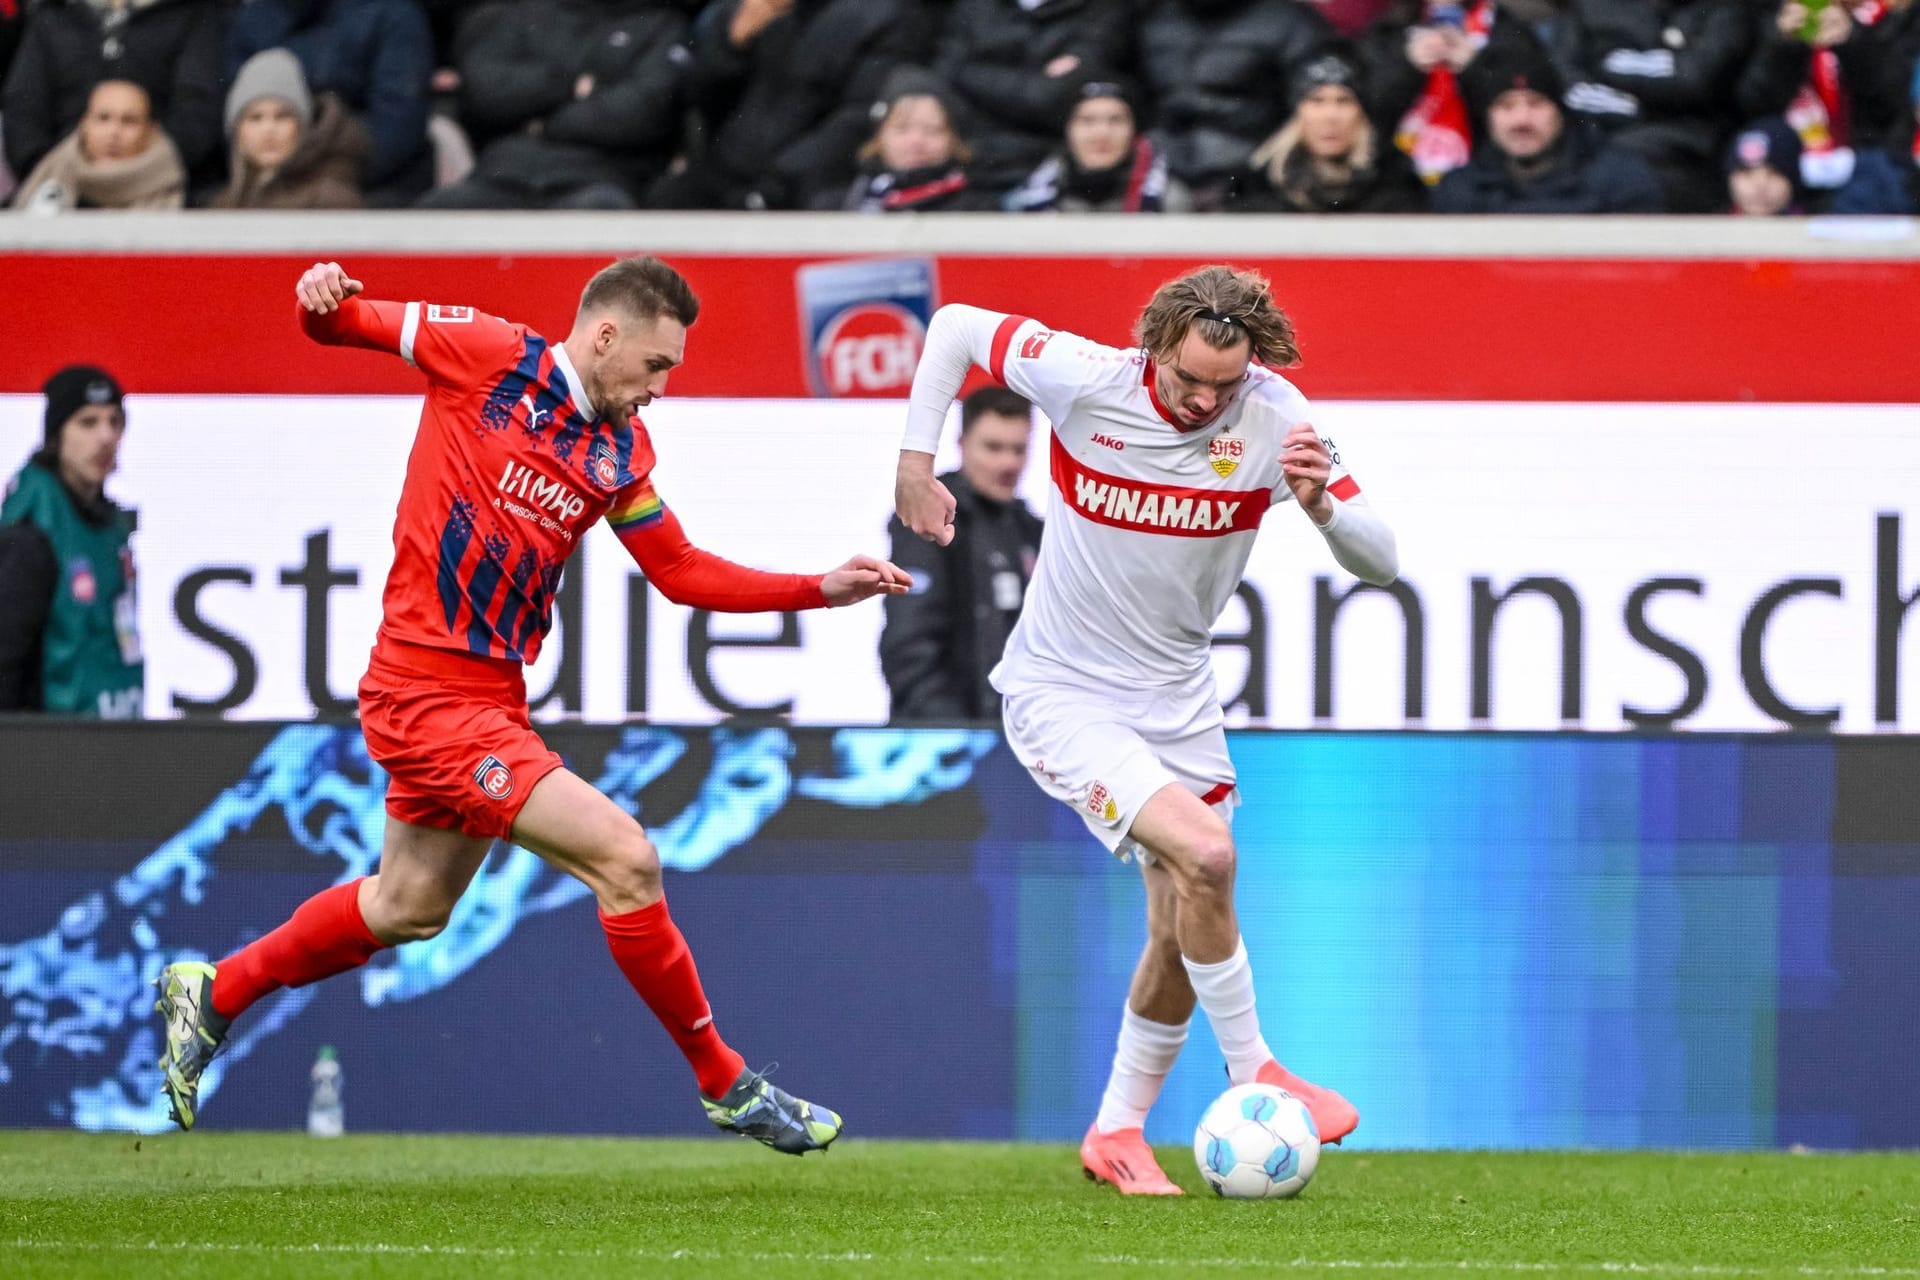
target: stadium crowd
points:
(1140, 106)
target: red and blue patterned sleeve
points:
(457, 346)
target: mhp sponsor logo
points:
(863, 324)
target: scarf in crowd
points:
(1819, 112)
(890, 192)
(1305, 183)
(1436, 133)
(66, 179)
(1138, 183)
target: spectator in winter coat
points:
(1013, 63)
(1415, 56)
(291, 149)
(376, 56)
(170, 48)
(1838, 73)
(1218, 71)
(1531, 158)
(69, 627)
(782, 89)
(1658, 77)
(1108, 164)
(916, 160)
(117, 159)
(1886, 179)
(942, 638)
(1763, 170)
(575, 103)
(1329, 157)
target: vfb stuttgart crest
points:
(494, 778)
(1100, 803)
(1224, 454)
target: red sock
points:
(327, 935)
(650, 950)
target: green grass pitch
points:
(225, 1204)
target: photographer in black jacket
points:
(947, 632)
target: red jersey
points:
(509, 470)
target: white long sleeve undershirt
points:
(959, 338)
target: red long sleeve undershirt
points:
(685, 574)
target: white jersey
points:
(1149, 523)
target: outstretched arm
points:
(687, 575)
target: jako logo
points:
(1108, 441)
(494, 778)
(870, 349)
(522, 481)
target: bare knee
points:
(1207, 865)
(396, 918)
(629, 872)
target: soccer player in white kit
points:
(1165, 458)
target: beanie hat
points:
(1505, 65)
(1336, 66)
(909, 81)
(1088, 84)
(1771, 143)
(271, 73)
(73, 389)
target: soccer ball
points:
(1257, 1142)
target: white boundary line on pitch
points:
(1469, 1265)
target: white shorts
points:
(1105, 756)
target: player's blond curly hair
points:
(1225, 306)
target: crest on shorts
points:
(1100, 803)
(1224, 454)
(494, 778)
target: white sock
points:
(1141, 1062)
(1226, 994)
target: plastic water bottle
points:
(325, 1118)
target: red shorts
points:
(453, 734)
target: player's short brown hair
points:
(645, 288)
(1224, 306)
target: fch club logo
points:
(606, 472)
(863, 324)
(494, 778)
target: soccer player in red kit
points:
(523, 444)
